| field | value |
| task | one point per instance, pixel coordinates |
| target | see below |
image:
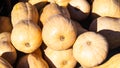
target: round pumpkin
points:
(59, 33)
(90, 49)
(26, 36)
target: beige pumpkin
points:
(7, 51)
(109, 27)
(106, 8)
(59, 33)
(5, 24)
(60, 59)
(79, 9)
(24, 11)
(51, 10)
(113, 62)
(90, 49)
(4, 63)
(26, 36)
(32, 60)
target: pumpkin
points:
(79, 9)
(7, 51)
(58, 33)
(51, 10)
(90, 49)
(32, 60)
(60, 59)
(5, 24)
(24, 11)
(26, 36)
(4, 63)
(106, 8)
(113, 62)
(109, 27)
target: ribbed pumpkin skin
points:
(59, 33)
(87, 47)
(26, 36)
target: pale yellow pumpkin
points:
(26, 36)
(90, 49)
(58, 33)
(106, 8)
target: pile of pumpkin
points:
(61, 34)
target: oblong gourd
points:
(24, 11)
(106, 8)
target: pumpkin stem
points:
(88, 43)
(64, 62)
(27, 44)
(62, 38)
